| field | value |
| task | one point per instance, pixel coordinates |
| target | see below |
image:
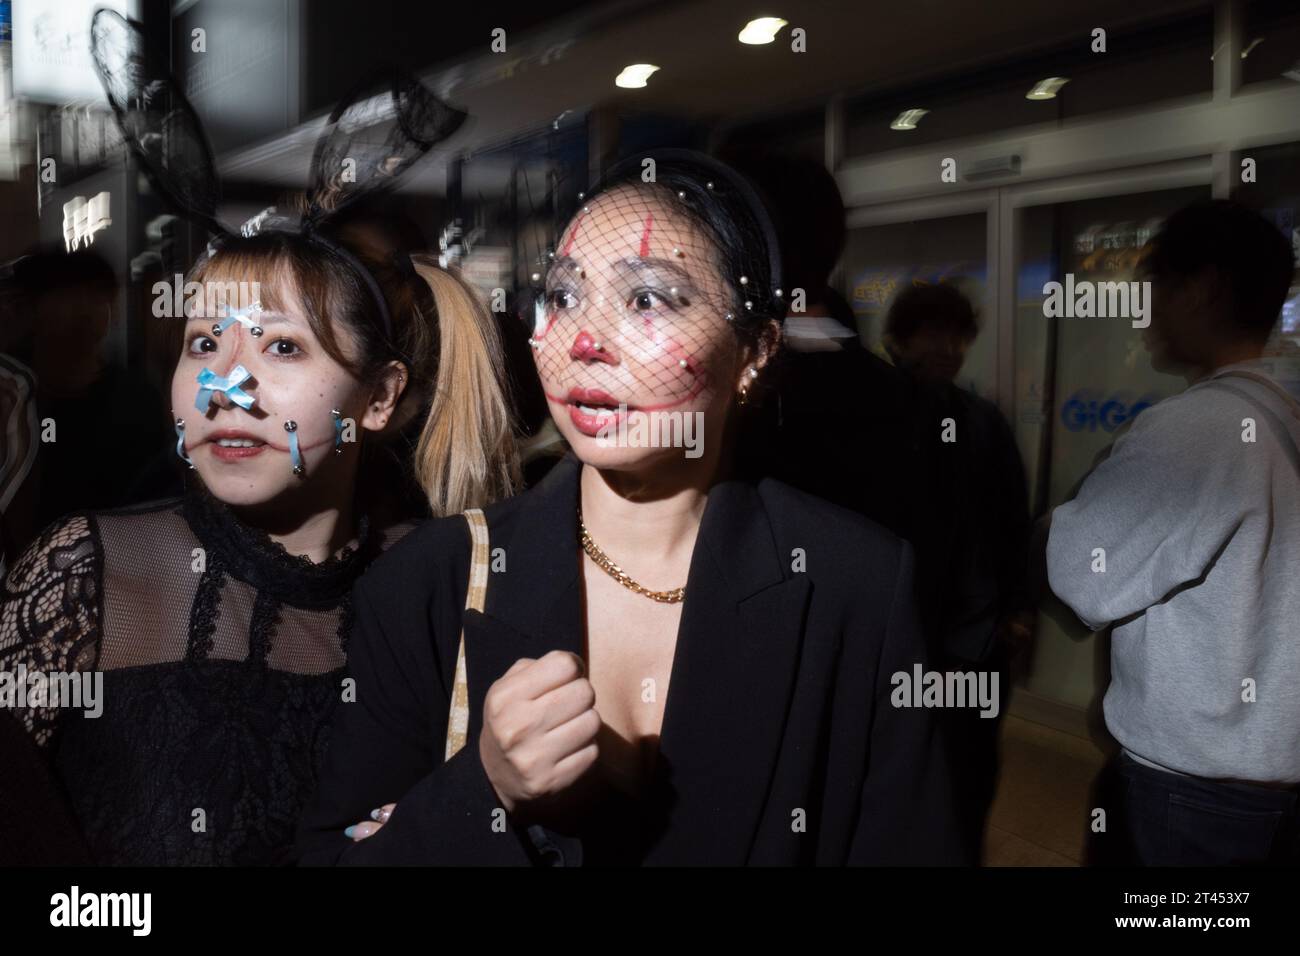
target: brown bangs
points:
(283, 267)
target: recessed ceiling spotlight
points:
(1047, 89)
(908, 119)
(634, 76)
(760, 31)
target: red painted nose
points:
(587, 349)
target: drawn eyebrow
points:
(635, 264)
(648, 264)
(567, 263)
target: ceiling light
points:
(908, 119)
(1046, 89)
(762, 30)
(634, 77)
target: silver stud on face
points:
(257, 331)
(216, 329)
(298, 470)
(290, 425)
(180, 423)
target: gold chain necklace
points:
(675, 596)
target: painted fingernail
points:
(350, 831)
(384, 815)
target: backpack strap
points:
(1278, 425)
(475, 600)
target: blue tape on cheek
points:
(209, 382)
(295, 456)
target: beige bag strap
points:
(475, 599)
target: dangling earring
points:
(744, 389)
(295, 455)
(180, 442)
(338, 431)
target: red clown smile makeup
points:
(632, 318)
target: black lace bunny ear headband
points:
(367, 144)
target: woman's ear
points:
(383, 400)
(756, 355)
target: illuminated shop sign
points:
(82, 218)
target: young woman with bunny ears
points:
(213, 629)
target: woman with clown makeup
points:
(207, 636)
(644, 659)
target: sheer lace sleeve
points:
(49, 615)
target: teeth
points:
(602, 411)
(236, 442)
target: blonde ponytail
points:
(466, 456)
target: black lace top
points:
(221, 658)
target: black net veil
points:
(662, 268)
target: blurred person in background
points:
(1185, 540)
(101, 412)
(865, 430)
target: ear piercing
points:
(180, 443)
(744, 388)
(295, 455)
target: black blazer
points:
(778, 707)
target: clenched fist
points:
(539, 728)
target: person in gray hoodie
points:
(1185, 541)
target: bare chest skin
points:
(630, 642)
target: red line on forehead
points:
(574, 234)
(645, 234)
